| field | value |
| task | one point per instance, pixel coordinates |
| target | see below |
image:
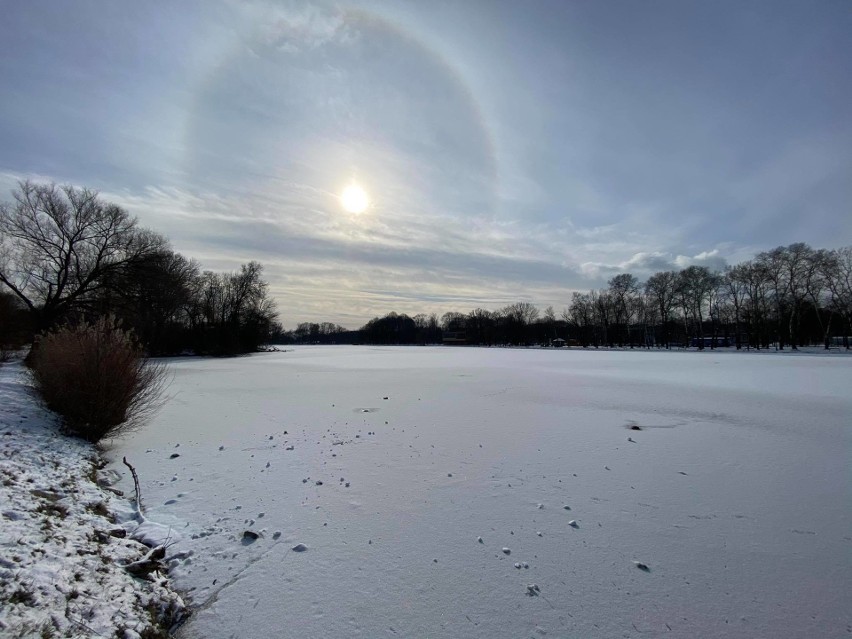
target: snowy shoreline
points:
(66, 537)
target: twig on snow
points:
(135, 486)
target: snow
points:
(405, 472)
(61, 564)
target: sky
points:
(510, 151)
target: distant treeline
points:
(789, 296)
(67, 257)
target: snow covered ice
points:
(726, 515)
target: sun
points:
(354, 199)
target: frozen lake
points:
(736, 493)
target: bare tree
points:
(602, 308)
(660, 290)
(581, 314)
(623, 289)
(773, 265)
(735, 291)
(696, 285)
(518, 316)
(838, 273)
(452, 321)
(480, 326)
(59, 246)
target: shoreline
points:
(67, 537)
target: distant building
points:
(454, 338)
(558, 342)
(711, 342)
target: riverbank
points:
(66, 538)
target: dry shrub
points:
(95, 376)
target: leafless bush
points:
(94, 375)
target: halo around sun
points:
(354, 199)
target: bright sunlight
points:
(354, 199)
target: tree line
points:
(68, 257)
(789, 296)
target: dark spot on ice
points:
(300, 548)
(249, 537)
(641, 566)
(174, 455)
(507, 551)
(276, 534)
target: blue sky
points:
(511, 150)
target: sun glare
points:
(354, 199)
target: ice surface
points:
(734, 494)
